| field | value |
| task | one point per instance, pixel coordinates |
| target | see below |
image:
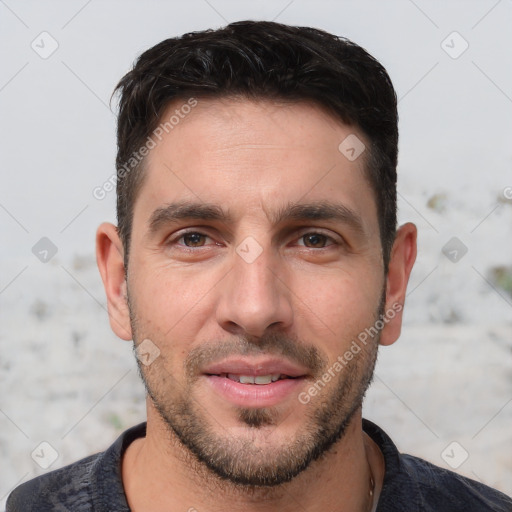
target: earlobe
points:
(110, 260)
(403, 256)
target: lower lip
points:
(255, 395)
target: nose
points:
(254, 297)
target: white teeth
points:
(263, 379)
(250, 379)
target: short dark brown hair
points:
(261, 60)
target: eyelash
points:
(175, 240)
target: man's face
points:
(240, 274)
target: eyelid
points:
(298, 234)
(334, 238)
(182, 232)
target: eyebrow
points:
(318, 210)
(185, 210)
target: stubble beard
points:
(243, 462)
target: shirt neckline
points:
(109, 486)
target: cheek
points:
(337, 306)
(169, 301)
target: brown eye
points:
(315, 240)
(193, 239)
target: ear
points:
(110, 259)
(403, 256)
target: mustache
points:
(271, 344)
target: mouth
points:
(262, 383)
(259, 380)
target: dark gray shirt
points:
(410, 484)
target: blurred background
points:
(442, 392)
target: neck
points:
(159, 474)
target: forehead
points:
(254, 155)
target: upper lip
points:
(255, 367)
